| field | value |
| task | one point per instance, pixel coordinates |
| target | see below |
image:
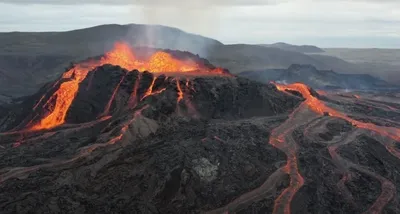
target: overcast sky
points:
(326, 23)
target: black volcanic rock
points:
(188, 156)
(194, 144)
(320, 79)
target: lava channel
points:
(319, 107)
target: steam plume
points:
(198, 17)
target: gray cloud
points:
(148, 2)
(351, 23)
(174, 2)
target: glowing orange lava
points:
(150, 89)
(321, 92)
(122, 55)
(108, 106)
(319, 107)
(180, 93)
(133, 98)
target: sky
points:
(325, 23)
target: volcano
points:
(161, 131)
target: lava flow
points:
(122, 55)
(319, 107)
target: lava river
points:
(281, 139)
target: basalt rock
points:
(135, 142)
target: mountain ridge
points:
(320, 79)
(295, 48)
(33, 59)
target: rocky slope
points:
(105, 139)
(189, 148)
(296, 48)
(321, 79)
(30, 59)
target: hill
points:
(29, 60)
(96, 40)
(377, 62)
(321, 79)
(296, 48)
(243, 57)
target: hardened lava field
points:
(172, 133)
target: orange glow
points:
(291, 168)
(180, 93)
(122, 55)
(108, 106)
(321, 92)
(162, 61)
(133, 98)
(150, 89)
(319, 107)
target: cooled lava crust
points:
(130, 141)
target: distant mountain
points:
(29, 60)
(95, 40)
(296, 48)
(321, 79)
(378, 62)
(243, 57)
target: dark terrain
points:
(320, 79)
(296, 48)
(29, 60)
(153, 155)
(200, 142)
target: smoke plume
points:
(197, 17)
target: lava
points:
(319, 107)
(122, 55)
(150, 89)
(133, 98)
(321, 92)
(107, 109)
(42, 98)
(278, 140)
(126, 126)
(180, 93)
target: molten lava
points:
(122, 55)
(180, 93)
(282, 203)
(319, 107)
